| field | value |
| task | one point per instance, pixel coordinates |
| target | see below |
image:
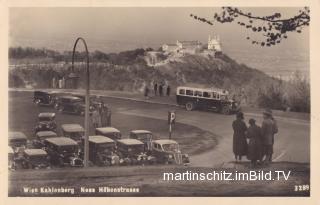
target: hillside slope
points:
(133, 70)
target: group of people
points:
(259, 149)
(101, 117)
(58, 82)
(161, 89)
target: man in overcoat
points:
(269, 128)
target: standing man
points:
(96, 120)
(269, 128)
(168, 90)
(160, 89)
(155, 88)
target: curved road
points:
(292, 143)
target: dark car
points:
(102, 151)
(44, 98)
(70, 104)
(63, 151)
(168, 152)
(110, 132)
(46, 122)
(144, 136)
(95, 102)
(132, 152)
(35, 159)
(207, 99)
(41, 137)
(73, 131)
(17, 140)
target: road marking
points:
(280, 155)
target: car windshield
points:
(75, 135)
(170, 147)
(136, 149)
(77, 100)
(67, 149)
(41, 119)
(108, 147)
(38, 158)
(18, 141)
(143, 137)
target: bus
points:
(206, 98)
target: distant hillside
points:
(133, 70)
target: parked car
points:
(110, 132)
(102, 151)
(73, 131)
(206, 98)
(41, 137)
(44, 98)
(132, 152)
(63, 151)
(17, 140)
(35, 159)
(71, 104)
(46, 122)
(95, 102)
(144, 136)
(168, 152)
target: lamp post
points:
(86, 117)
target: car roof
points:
(40, 91)
(165, 141)
(72, 128)
(141, 132)
(46, 134)
(17, 135)
(35, 152)
(130, 141)
(107, 129)
(70, 97)
(62, 141)
(47, 114)
(100, 139)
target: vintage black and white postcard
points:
(108, 99)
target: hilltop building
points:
(193, 47)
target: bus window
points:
(206, 95)
(182, 91)
(189, 92)
(198, 93)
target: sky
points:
(119, 29)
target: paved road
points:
(292, 143)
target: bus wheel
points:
(189, 106)
(225, 110)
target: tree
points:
(273, 28)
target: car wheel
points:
(37, 102)
(60, 109)
(56, 106)
(225, 110)
(189, 106)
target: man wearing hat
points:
(269, 128)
